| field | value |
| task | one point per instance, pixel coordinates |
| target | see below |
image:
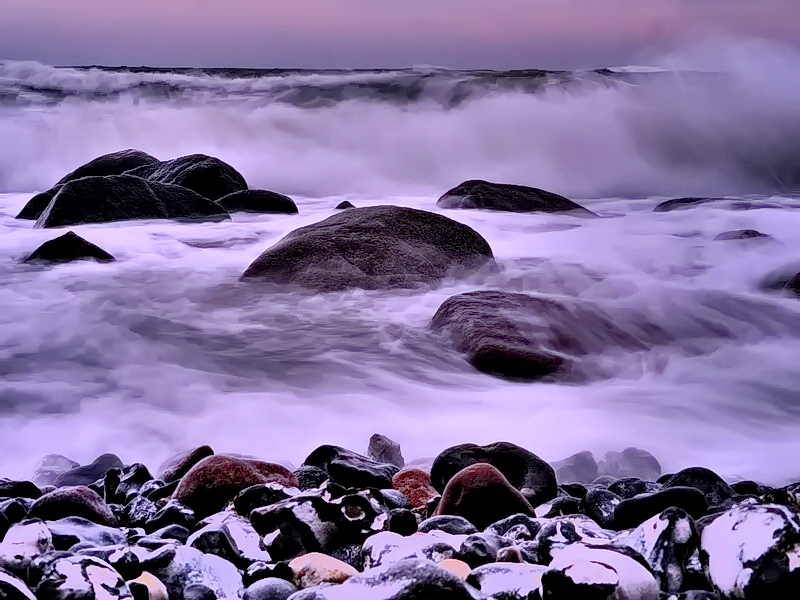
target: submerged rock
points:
(376, 247)
(258, 201)
(209, 176)
(477, 193)
(67, 248)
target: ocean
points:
(165, 349)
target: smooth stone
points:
(258, 201)
(477, 193)
(482, 548)
(172, 513)
(742, 234)
(264, 570)
(179, 566)
(574, 489)
(68, 531)
(139, 511)
(415, 484)
(315, 568)
(559, 507)
(50, 467)
(198, 591)
(628, 487)
(376, 247)
(532, 476)
(344, 204)
(717, 492)
(22, 544)
(269, 588)
(215, 480)
(666, 541)
(73, 501)
(350, 469)
(178, 533)
(601, 506)
(132, 480)
(748, 487)
(68, 248)
(579, 468)
(310, 478)
(115, 163)
(633, 511)
(386, 547)
(161, 491)
(402, 521)
(453, 524)
(155, 589)
(12, 511)
(457, 567)
(481, 494)
(517, 528)
(555, 534)
(125, 198)
(631, 462)
(682, 203)
(87, 474)
(19, 489)
(175, 467)
(262, 494)
(507, 581)
(383, 450)
(72, 577)
(13, 588)
(208, 176)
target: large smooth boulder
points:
(258, 201)
(115, 163)
(477, 193)
(67, 248)
(125, 198)
(209, 176)
(523, 469)
(73, 501)
(375, 247)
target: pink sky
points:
(372, 33)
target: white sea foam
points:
(165, 349)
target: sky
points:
(376, 33)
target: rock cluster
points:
(487, 523)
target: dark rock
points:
(628, 487)
(518, 528)
(198, 591)
(258, 201)
(748, 487)
(495, 330)
(125, 198)
(171, 532)
(482, 548)
(13, 588)
(349, 469)
(604, 481)
(139, 511)
(208, 176)
(132, 479)
(742, 234)
(69, 578)
(344, 204)
(451, 524)
(69, 531)
(216, 479)
(481, 494)
(561, 506)
(115, 163)
(310, 477)
(571, 582)
(177, 466)
(259, 495)
(69, 501)
(402, 521)
(18, 489)
(415, 484)
(503, 581)
(631, 462)
(13, 511)
(528, 473)
(477, 193)
(579, 468)
(392, 499)
(269, 588)
(633, 511)
(383, 450)
(600, 505)
(180, 566)
(261, 570)
(717, 492)
(172, 513)
(50, 467)
(576, 490)
(217, 539)
(161, 491)
(67, 248)
(682, 203)
(698, 595)
(559, 532)
(90, 473)
(376, 247)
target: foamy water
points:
(165, 349)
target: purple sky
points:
(375, 33)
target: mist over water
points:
(165, 349)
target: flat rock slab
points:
(376, 247)
(477, 193)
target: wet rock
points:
(349, 469)
(452, 524)
(480, 327)
(198, 591)
(125, 198)
(601, 505)
(115, 163)
(67, 248)
(178, 465)
(310, 477)
(666, 541)
(87, 474)
(69, 531)
(206, 175)
(742, 234)
(258, 201)
(580, 468)
(752, 551)
(477, 193)
(717, 492)
(69, 501)
(132, 480)
(215, 480)
(376, 247)
(315, 568)
(262, 494)
(344, 204)
(50, 467)
(508, 581)
(383, 450)
(517, 528)
(386, 547)
(528, 473)
(269, 588)
(482, 548)
(18, 489)
(415, 484)
(155, 590)
(633, 511)
(631, 462)
(574, 489)
(12, 511)
(13, 588)
(559, 507)
(22, 544)
(482, 495)
(683, 203)
(455, 566)
(748, 487)
(179, 567)
(172, 513)
(402, 521)
(67, 578)
(230, 536)
(628, 487)
(559, 532)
